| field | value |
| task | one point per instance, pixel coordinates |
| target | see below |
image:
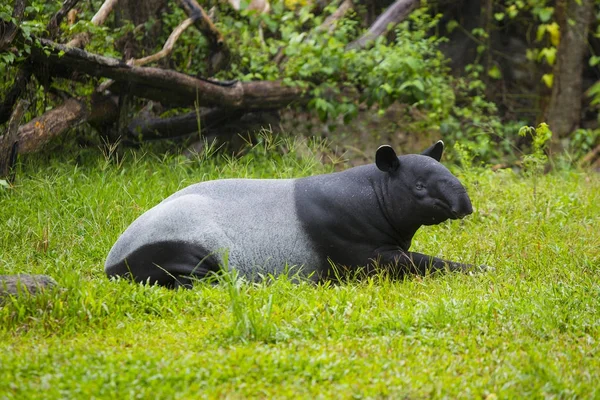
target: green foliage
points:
(528, 329)
(535, 161)
(408, 68)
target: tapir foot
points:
(422, 264)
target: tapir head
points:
(422, 186)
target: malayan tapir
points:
(361, 218)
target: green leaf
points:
(419, 85)
(452, 25)
(549, 53)
(413, 83)
(546, 13)
(495, 72)
(541, 30)
(412, 62)
(554, 30)
(4, 184)
(548, 79)
(499, 16)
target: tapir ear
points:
(435, 151)
(386, 159)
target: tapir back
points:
(250, 225)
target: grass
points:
(528, 329)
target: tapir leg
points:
(417, 263)
(170, 264)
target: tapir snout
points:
(460, 203)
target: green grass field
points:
(529, 329)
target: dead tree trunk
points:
(563, 112)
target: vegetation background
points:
(92, 154)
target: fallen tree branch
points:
(589, 157)
(180, 125)
(392, 16)
(166, 85)
(9, 142)
(39, 131)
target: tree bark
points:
(180, 125)
(220, 52)
(8, 30)
(393, 15)
(39, 131)
(22, 78)
(564, 111)
(59, 16)
(82, 39)
(9, 142)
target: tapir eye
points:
(420, 186)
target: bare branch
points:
(330, 21)
(83, 38)
(22, 78)
(392, 16)
(104, 12)
(168, 47)
(203, 22)
(8, 30)
(166, 50)
(219, 49)
(59, 16)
